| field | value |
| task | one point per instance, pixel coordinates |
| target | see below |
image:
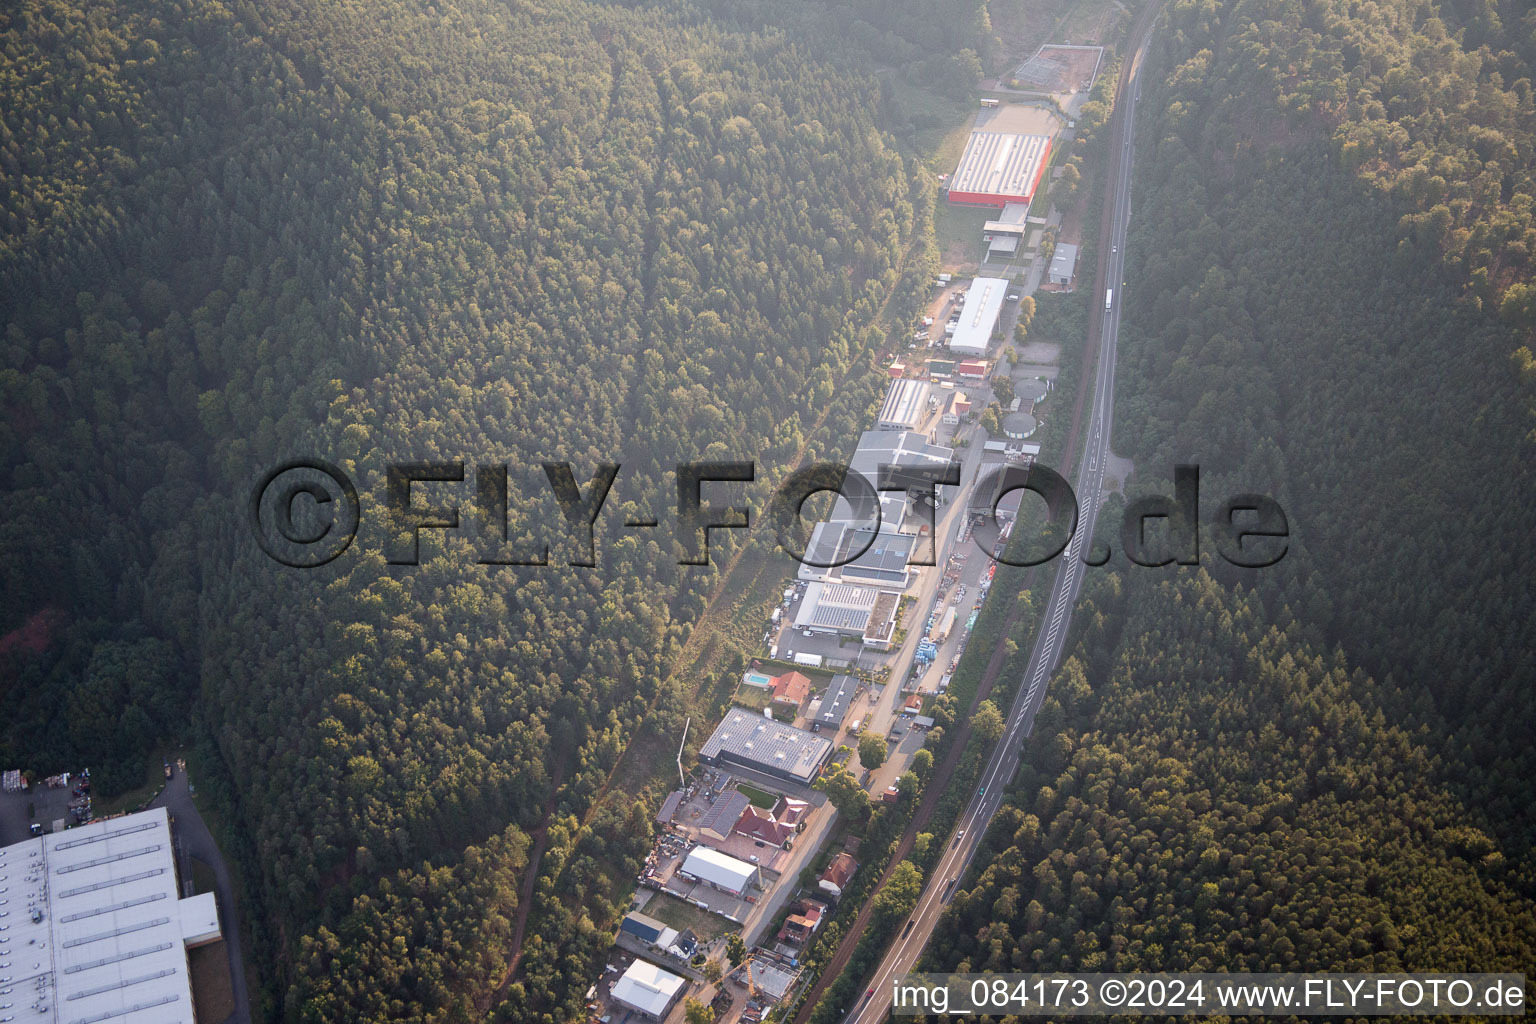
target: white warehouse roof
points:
(647, 988)
(97, 929)
(978, 317)
(719, 869)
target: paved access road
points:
(194, 839)
(1058, 610)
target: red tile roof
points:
(759, 824)
(840, 870)
(791, 688)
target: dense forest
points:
(1320, 765)
(1209, 792)
(390, 232)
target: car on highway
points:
(983, 791)
(959, 836)
(908, 929)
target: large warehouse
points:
(998, 168)
(1005, 158)
(846, 609)
(978, 317)
(96, 929)
(721, 870)
(759, 743)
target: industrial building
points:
(669, 807)
(907, 406)
(978, 317)
(648, 990)
(847, 609)
(722, 816)
(1063, 264)
(998, 168)
(835, 703)
(95, 927)
(758, 743)
(903, 449)
(881, 563)
(724, 872)
(1005, 233)
(842, 608)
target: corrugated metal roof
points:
(905, 404)
(1001, 164)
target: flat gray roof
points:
(836, 702)
(883, 562)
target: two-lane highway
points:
(1055, 622)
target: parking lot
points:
(43, 805)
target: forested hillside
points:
(1299, 333)
(1321, 765)
(1208, 792)
(389, 232)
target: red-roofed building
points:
(802, 922)
(971, 368)
(791, 811)
(838, 874)
(897, 369)
(791, 688)
(757, 823)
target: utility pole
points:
(682, 780)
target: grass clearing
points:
(675, 913)
(758, 797)
(958, 234)
(754, 697)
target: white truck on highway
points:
(1109, 299)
